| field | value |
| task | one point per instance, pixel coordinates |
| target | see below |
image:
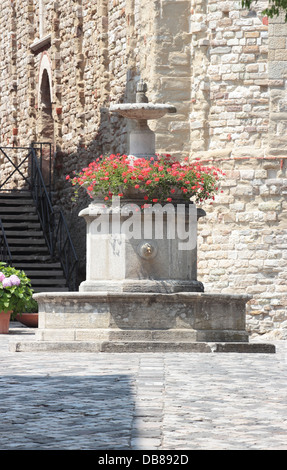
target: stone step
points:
(58, 282)
(19, 195)
(43, 274)
(10, 234)
(39, 258)
(21, 226)
(9, 209)
(16, 202)
(20, 217)
(25, 241)
(35, 249)
(138, 347)
(40, 269)
(39, 266)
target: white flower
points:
(15, 281)
(6, 282)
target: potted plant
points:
(155, 180)
(15, 292)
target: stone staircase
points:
(27, 243)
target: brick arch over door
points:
(45, 68)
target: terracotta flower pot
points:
(4, 322)
(28, 319)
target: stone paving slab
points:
(141, 401)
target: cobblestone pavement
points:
(152, 401)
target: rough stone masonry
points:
(62, 63)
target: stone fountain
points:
(141, 292)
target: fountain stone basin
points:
(142, 111)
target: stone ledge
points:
(140, 347)
(106, 296)
(40, 43)
(172, 286)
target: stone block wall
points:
(223, 67)
(242, 240)
(238, 124)
(230, 92)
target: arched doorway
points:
(47, 122)
(45, 134)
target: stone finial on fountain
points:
(141, 92)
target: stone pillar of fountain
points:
(142, 141)
(142, 138)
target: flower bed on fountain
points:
(156, 180)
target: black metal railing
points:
(54, 226)
(65, 247)
(5, 253)
(52, 222)
(42, 202)
(7, 183)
